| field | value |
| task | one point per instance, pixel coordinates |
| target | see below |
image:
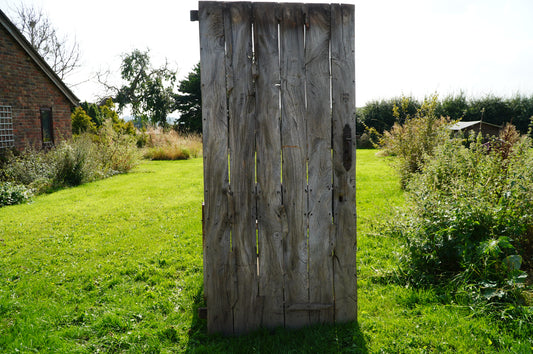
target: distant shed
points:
(476, 126)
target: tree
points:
(148, 91)
(82, 122)
(90, 117)
(61, 53)
(189, 103)
(92, 110)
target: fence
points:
(278, 110)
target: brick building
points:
(35, 104)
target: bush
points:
(82, 122)
(117, 150)
(378, 114)
(470, 217)
(30, 166)
(171, 145)
(490, 109)
(369, 139)
(11, 194)
(74, 162)
(84, 158)
(414, 140)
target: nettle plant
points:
(470, 217)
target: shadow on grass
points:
(343, 338)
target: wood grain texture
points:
(281, 107)
(241, 109)
(215, 131)
(269, 204)
(320, 164)
(343, 113)
(294, 152)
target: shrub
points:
(82, 122)
(379, 113)
(84, 158)
(369, 139)
(74, 162)
(11, 194)
(117, 150)
(171, 145)
(30, 166)
(470, 216)
(414, 140)
(490, 109)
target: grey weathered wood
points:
(269, 206)
(320, 164)
(343, 112)
(241, 109)
(294, 152)
(215, 131)
(276, 120)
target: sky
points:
(403, 47)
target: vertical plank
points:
(241, 109)
(343, 113)
(320, 164)
(215, 131)
(269, 207)
(294, 153)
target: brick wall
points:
(25, 88)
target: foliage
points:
(93, 111)
(414, 140)
(148, 91)
(11, 194)
(86, 157)
(89, 117)
(171, 145)
(517, 110)
(82, 122)
(454, 106)
(61, 53)
(117, 150)
(471, 209)
(369, 139)
(379, 114)
(116, 266)
(189, 103)
(26, 168)
(74, 162)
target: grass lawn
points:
(116, 266)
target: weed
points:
(171, 145)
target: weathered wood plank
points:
(320, 164)
(215, 130)
(269, 205)
(294, 153)
(241, 109)
(343, 112)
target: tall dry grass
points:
(171, 145)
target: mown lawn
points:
(116, 266)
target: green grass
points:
(116, 266)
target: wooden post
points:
(343, 111)
(269, 203)
(216, 184)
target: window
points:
(46, 126)
(7, 139)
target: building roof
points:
(463, 125)
(6, 23)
